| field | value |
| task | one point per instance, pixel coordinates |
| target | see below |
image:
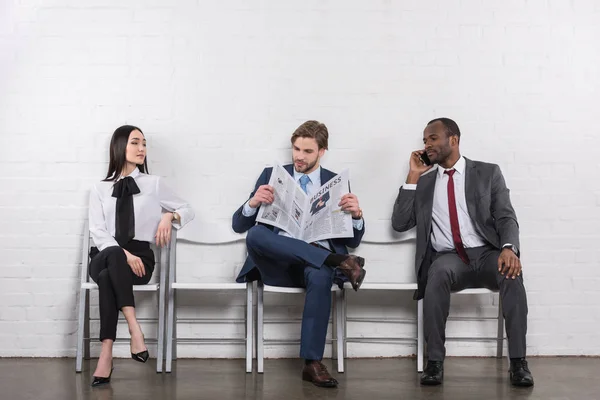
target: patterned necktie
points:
(304, 179)
(458, 244)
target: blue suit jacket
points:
(241, 224)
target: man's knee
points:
(439, 273)
(255, 235)
(510, 284)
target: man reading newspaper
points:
(313, 217)
(279, 257)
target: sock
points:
(307, 361)
(334, 260)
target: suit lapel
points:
(290, 169)
(326, 175)
(470, 179)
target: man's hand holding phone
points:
(418, 166)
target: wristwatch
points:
(360, 214)
(512, 247)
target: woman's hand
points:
(135, 263)
(163, 233)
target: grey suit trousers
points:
(448, 273)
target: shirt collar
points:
(459, 167)
(134, 174)
(314, 176)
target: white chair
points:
(380, 233)
(382, 286)
(83, 331)
(337, 330)
(499, 338)
(205, 235)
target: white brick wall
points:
(218, 87)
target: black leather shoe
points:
(142, 356)
(433, 374)
(520, 375)
(99, 381)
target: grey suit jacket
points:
(488, 202)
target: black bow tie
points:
(123, 190)
(125, 187)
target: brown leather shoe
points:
(316, 372)
(352, 267)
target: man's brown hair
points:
(315, 130)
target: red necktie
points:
(460, 249)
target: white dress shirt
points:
(154, 199)
(441, 232)
(311, 187)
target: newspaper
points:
(309, 218)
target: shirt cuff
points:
(358, 224)
(248, 211)
(513, 247)
(107, 244)
(409, 186)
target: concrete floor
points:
(370, 379)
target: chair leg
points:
(260, 327)
(340, 340)
(86, 327)
(344, 309)
(175, 326)
(334, 310)
(249, 327)
(170, 327)
(161, 328)
(420, 339)
(80, 329)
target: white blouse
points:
(154, 199)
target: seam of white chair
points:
(475, 291)
(208, 286)
(283, 289)
(151, 287)
(189, 241)
(384, 286)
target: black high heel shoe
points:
(142, 356)
(99, 381)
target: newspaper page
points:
(325, 218)
(287, 210)
(310, 219)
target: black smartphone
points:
(425, 159)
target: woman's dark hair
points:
(118, 146)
